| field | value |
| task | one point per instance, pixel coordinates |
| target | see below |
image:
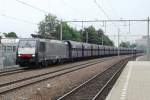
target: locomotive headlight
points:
(33, 55)
(19, 55)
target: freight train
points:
(41, 52)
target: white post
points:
(102, 39)
(86, 37)
(82, 34)
(61, 30)
(129, 27)
(148, 44)
(118, 41)
(104, 32)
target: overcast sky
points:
(73, 10)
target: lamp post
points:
(61, 30)
(118, 41)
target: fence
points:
(7, 53)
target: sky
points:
(22, 19)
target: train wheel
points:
(44, 64)
(37, 65)
(54, 61)
(59, 61)
(62, 61)
(22, 64)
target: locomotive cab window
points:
(27, 44)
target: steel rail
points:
(38, 78)
(86, 82)
(109, 81)
(11, 71)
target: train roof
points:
(44, 40)
(75, 44)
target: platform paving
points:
(133, 83)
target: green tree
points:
(127, 45)
(107, 41)
(133, 45)
(95, 36)
(69, 33)
(124, 44)
(50, 28)
(47, 27)
(92, 34)
(100, 32)
(10, 35)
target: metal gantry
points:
(112, 21)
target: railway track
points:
(98, 86)
(10, 71)
(15, 84)
(101, 95)
(16, 70)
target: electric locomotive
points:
(41, 52)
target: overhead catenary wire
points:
(17, 19)
(112, 8)
(45, 12)
(31, 6)
(98, 5)
(38, 9)
(22, 20)
(34, 7)
(74, 9)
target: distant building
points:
(8, 52)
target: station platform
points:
(133, 83)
